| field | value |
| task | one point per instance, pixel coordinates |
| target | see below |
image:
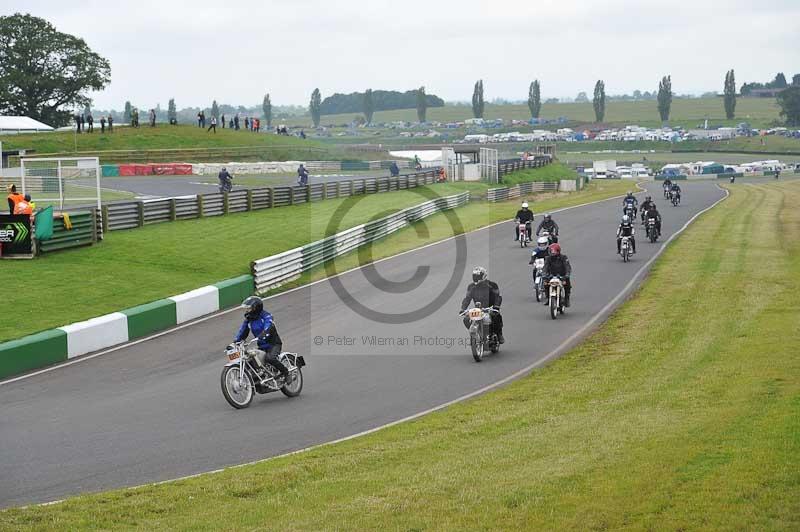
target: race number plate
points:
(475, 313)
(233, 356)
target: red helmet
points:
(555, 249)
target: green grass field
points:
(685, 112)
(679, 413)
(180, 262)
(552, 172)
(166, 137)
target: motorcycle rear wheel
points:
(237, 399)
(294, 388)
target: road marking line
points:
(560, 349)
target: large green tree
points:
(780, 81)
(477, 99)
(42, 70)
(314, 107)
(369, 106)
(126, 114)
(534, 99)
(599, 100)
(266, 107)
(730, 95)
(789, 102)
(664, 97)
(422, 104)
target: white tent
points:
(21, 123)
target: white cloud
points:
(236, 51)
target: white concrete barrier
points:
(95, 334)
(196, 303)
(567, 185)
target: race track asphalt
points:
(154, 411)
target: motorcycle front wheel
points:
(238, 394)
(477, 348)
(553, 307)
(293, 388)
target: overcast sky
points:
(238, 50)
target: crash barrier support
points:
(506, 193)
(130, 214)
(277, 269)
(76, 339)
(506, 166)
(87, 228)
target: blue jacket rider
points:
(260, 323)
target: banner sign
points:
(15, 234)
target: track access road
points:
(153, 410)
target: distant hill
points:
(383, 101)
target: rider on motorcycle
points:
(523, 215)
(225, 179)
(487, 293)
(630, 201)
(653, 213)
(541, 251)
(549, 225)
(625, 229)
(647, 204)
(676, 189)
(260, 323)
(557, 264)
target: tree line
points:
(66, 70)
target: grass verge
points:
(552, 172)
(660, 420)
(133, 267)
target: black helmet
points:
(253, 307)
(547, 217)
(478, 274)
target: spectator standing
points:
(83, 123)
(90, 121)
(200, 119)
(302, 134)
(14, 197)
(236, 122)
(102, 124)
(394, 170)
(213, 125)
(246, 123)
(152, 118)
(230, 124)
(222, 120)
(110, 124)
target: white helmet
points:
(626, 219)
(543, 241)
(524, 204)
(478, 273)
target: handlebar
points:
(487, 309)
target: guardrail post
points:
(338, 188)
(105, 218)
(173, 215)
(140, 212)
(199, 206)
(224, 203)
(308, 193)
(291, 195)
(325, 190)
(271, 201)
(249, 199)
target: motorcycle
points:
(551, 239)
(625, 248)
(522, 228)
(666, 192)
(246, 373)
(652, 233)
(675, 198)
(556, 298)
(225, 187)
(480, 335)
(538, 279)
(629, 210)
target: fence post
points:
(172, 210)
(249, 199)
(291, 195)
(325, 190)
(338, 188)
(199, 206)
(224, 203)
(140, 212)
(271, 197)
(308, 193)
(105, 219)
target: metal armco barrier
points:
(86, 230)
(272, 271)
(507, 193)
(506, 166)
(131, 214)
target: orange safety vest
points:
(16, 198)
(23, 207)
